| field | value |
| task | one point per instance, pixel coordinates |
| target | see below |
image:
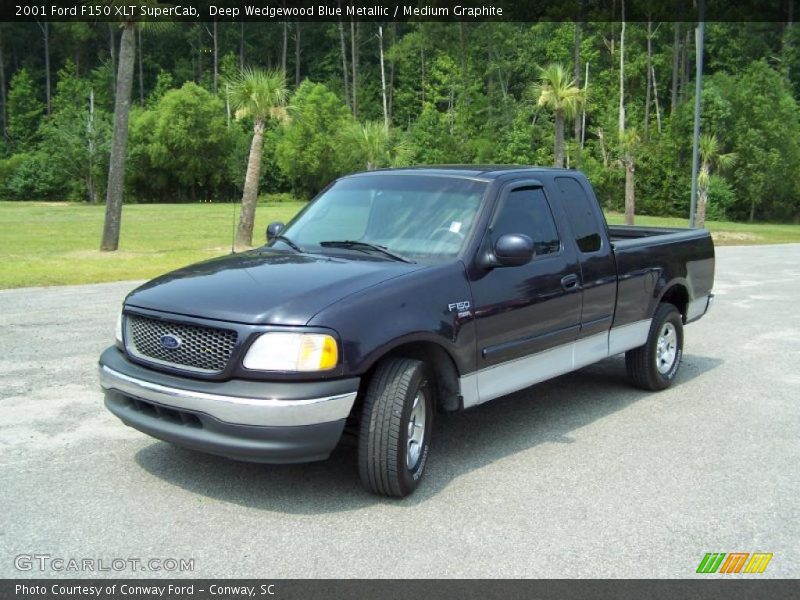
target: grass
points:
(725, 233)
(55, 243)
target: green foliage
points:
(308, 152)
(181, 145)
(458, 92)
(24, 111)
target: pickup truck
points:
(393, 296)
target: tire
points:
(391, 459)
(654, 365)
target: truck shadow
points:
(463, 442)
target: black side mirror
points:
(510, 250)
(274, 229)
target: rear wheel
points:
(654, 365)
(396, 424)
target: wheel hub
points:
(666, 348)
(416, 431)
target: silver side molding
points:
(517, 374)
(698, 307)
(233, 409)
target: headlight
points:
(118, 333)
(292, 352)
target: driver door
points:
(527, 317)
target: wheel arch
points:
(441, 363)
(677, 294)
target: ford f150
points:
(395, 295)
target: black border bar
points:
(396, 10)
(715, 588)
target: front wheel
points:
(396, 425)
(654, 365)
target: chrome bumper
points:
(258, 411)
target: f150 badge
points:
(463, 308)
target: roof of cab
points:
(469, 171)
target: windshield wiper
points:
(289, 243)
(364, 247)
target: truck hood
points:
(264, 286)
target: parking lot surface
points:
(582, 476)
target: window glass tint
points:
(425, 218)
(526, 211)
(580, 214)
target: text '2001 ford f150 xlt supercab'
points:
(395, 295)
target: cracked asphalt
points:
(582, 476)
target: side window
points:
(525, 210)
(580, 214)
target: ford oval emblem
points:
(170, 342)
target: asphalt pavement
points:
(582, 476)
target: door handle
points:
(569, 282)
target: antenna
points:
(233, 225)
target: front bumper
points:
(276, 422)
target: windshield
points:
(422, 218)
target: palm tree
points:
(375, 145)
(558, 92)
(709, 157)
(261, 95)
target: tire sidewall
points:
(410, 478)
(670, 315)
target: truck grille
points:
(199, 349)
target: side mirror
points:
(274, 229)
(510, 250)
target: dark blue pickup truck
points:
(393, 296)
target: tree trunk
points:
(285, 46)
(3, 87)
(649, 92)
(216, 56)
(752, 209)
(558, 147)
(383, 80)
(244, 232)
(577, 60)
(297, 52)
(345, 76)
(685, 67)
(702, 201)
(354, 60)
(676, 47)
(422, 73)
(241, 46)
(391, 71)
(630, 199)
(119, 140)
(45, 27)
(141, 72)
(622, 75)
(113, 54)
(655, 97)
(90, 184)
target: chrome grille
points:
(200, 349)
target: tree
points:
(260, 95)
(119, 140)
(709, 157)
(308, 151)
(373, 145)
(25, 111)
(188, 135)
(559, 93)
